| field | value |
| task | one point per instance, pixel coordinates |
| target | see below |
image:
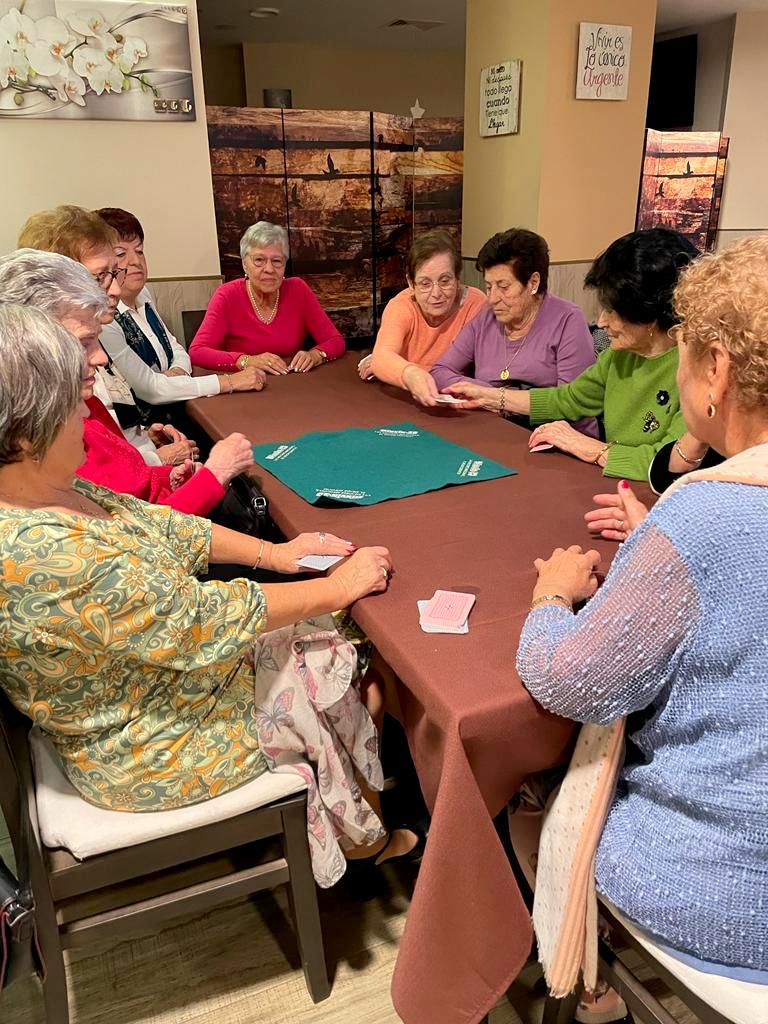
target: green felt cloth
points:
(365, 466)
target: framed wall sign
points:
(500, 99)
(602, 67)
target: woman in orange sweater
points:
(422, 321)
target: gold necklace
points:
(504, 375)
(268, 319)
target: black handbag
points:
(245, 509)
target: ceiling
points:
(363, 23)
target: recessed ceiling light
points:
(264, 12)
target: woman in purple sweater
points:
(526, 338)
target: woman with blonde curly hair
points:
(678, 632)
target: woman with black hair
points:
(633, 383)
(524, 337)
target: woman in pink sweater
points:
(262, 319)
(422, 321)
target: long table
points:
(473, 730)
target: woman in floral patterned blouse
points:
(156, 689)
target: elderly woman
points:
(423, 320)
(158, 690)
(677, 632)
(65, 290)
(264, 319)
(84, 236)
(632, 384)
(156, 367)
(524, 338)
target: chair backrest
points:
(190, 321)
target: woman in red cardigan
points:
(64, 289)
(264, 319)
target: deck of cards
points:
(446, 611)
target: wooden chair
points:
(207, 855)
(191, 320)
(617, 960)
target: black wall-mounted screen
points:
(672, 93)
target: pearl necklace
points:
(264, 319)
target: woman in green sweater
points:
(633, 383)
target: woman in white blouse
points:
(155, 366)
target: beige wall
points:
(501, 174)
(745, 195)
(713, 56)
(159, 171)
(325, 78)
(592, 149)
(573, 170)
(224, 75)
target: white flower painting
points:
(110, 60)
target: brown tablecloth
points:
(473, 730)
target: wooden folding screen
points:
(349, 186)
(682, 183)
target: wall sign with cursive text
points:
(602, 67)
(500, 98)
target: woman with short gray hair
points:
(158, 690)
(264, 319)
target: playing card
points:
(448, 400)
(447, 609)
(319, 562)
(436, 629)
(541, 447)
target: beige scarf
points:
(565, 904)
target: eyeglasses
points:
(444, 283)
(106, 277)
(260, 262)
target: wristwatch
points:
(241, 362)
(323, 354)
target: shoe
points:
(591, 1014)
(412, 856)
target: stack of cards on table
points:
(446, 612)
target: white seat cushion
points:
(71, 823)
(743, 1002)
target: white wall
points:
(159, 171)
(712, 66)
(745, 195)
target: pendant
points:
(504, 375)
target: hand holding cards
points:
(447, 611)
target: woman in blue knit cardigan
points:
(679, 632)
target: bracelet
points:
(601, 453)
(557, 598)
(241, 362)
(257, 563)
(502, 403)
(231, 386)
(684, 457)
(323, 354)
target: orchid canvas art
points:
(107, 60)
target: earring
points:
(711, 408)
